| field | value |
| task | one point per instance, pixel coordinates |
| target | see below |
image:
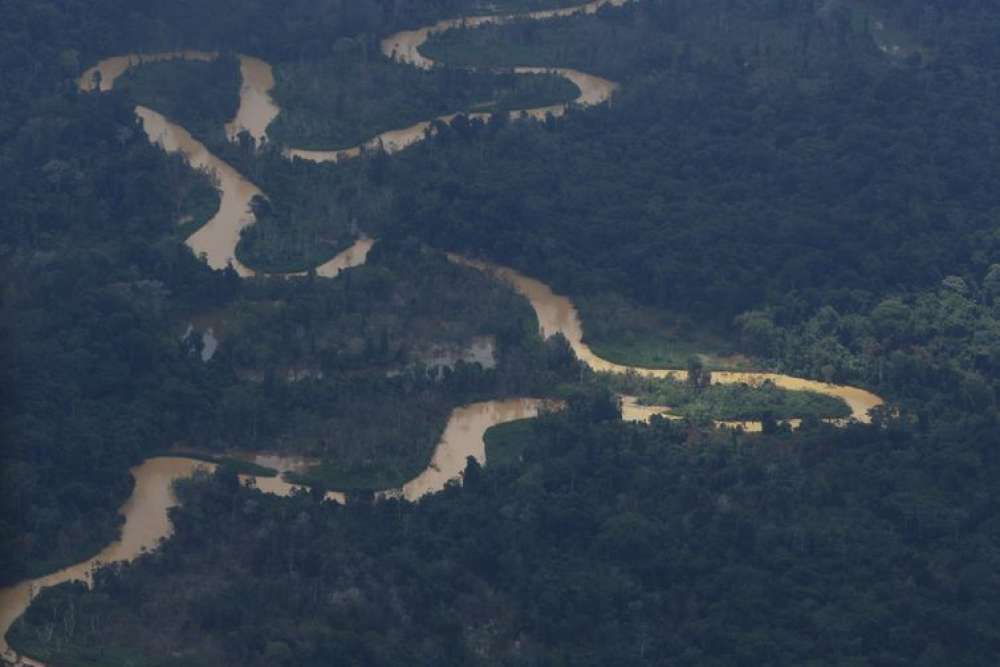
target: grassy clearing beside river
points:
(665, 352)
(626, 332)
(506, 443)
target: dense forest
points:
(98, 288)
(837, 235)
(170, 87)
(608, 544)
(797, 186)
(346, 101)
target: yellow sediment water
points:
(109, 69)
(462, 438)
(257, 107)
(217, 239)
(557, 314)
(256, 110)
(146, 511)
(633, 411)
(404, 47)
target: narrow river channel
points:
(146, 511)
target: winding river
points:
(462, 438)
(557, 314)
(216, 241)
(146, 511)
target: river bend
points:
(146, 511)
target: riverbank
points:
(338, 104)
(146, 513)
(710, 403)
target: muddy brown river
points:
(557, 314)
(404, 47)
(217, 239)
(108, 70)
(145, 512)
(462, 438)
(257, 107)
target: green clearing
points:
(506, 443)
(623, 331)
(375, 476)
(667, 352)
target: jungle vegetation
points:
(769, 186)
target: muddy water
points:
(633, 411)
(146, 523)
(356, 255)
(282, 464)
(257, 107)
(391, 141)
(218, 238)
(593, 90)
(146, 511)
(404, 47)
(556, 314)
(112, 68)
(279, 487)
(463, 437)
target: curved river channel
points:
(146, 511)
